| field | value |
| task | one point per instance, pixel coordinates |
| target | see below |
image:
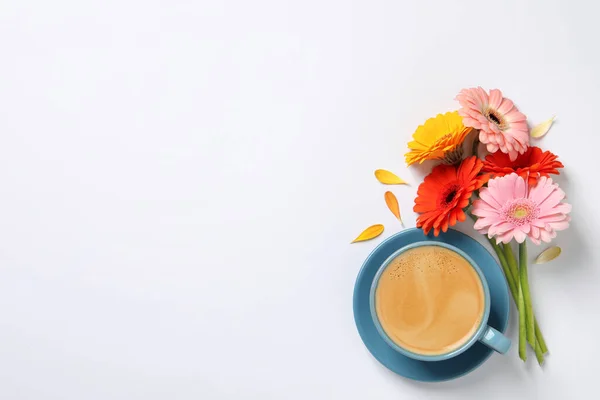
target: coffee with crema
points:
(429, 300)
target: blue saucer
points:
(427, 371)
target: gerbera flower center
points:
(449, 195)
(495, 117)
(521, 212)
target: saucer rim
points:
(362, 334)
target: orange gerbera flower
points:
(531, 165)
(445, 192)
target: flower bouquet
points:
(507, 192)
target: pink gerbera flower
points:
(501, 125)
(509, 208)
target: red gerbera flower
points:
(445, 192)
(530, 165)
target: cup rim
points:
(437, 357)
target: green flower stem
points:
(507, 272)
(512, 262)
(516, 276)
(512, 277)
(526, 293)
(538, 353)
(522, 329)
(539, 337)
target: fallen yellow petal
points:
(540, 130)
(371, 232)
(548, 255)
(392, 203)
(388, 178)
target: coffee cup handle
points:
(495, 340)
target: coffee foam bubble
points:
(435, 260)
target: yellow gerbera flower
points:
(440, 138)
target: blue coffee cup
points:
(484, 333)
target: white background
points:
(180, 181)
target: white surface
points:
(180, 180)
